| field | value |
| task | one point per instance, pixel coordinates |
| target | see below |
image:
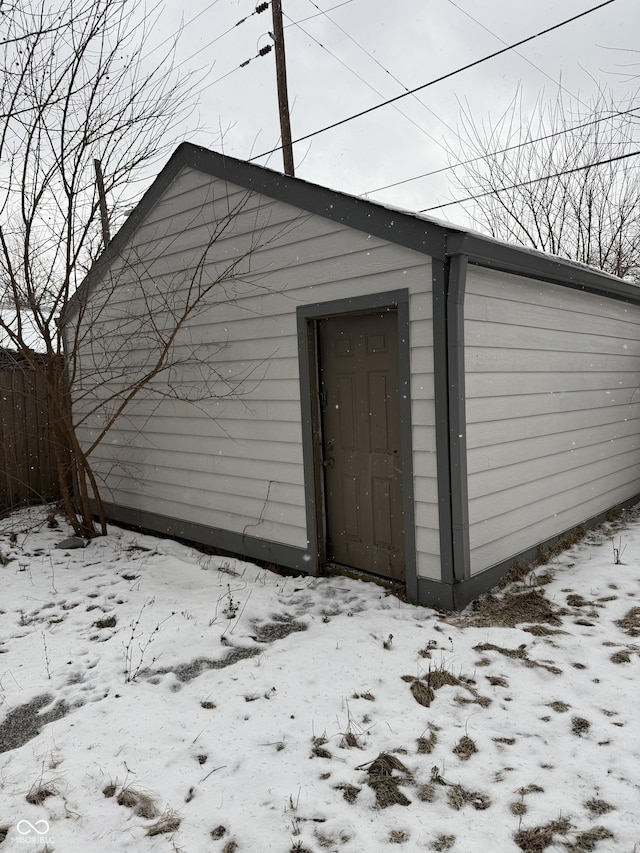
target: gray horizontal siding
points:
(214, 462)
(552, 408)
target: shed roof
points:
(437, 239)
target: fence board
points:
(27, 459)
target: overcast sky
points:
(363, 52)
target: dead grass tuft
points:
(542, 631)
(4, 831)
(538, 838)
(559, 707)
(41, 790)
(511, 609)
(518, 808)
(517, 654)
(424, 689)
(107, 622)
(230, 847)
(497, 680)
(349, 792)
(426, 793)
(588, 840)
(579, 726)
(398, 836)
(381, 777)
(443, 843)
(599, 807)
(465, 748)
(169, 821)
(630, 622)
(318, 750)
(141, 803)
(530, 789)
(421, 692)
(459, 796)
(426, 745)
(622, 656)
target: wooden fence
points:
(27, 460)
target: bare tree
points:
(76, 88)
(564, 179)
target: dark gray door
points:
(361, 441)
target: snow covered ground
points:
(153, 698)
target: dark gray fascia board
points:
(396, 226)
(492, 254)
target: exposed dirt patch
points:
(24, 723)
(279, 627)
(188, 671)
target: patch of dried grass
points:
(426, 745)
(465, 748)
(622, 656)
(599, 807)
(141, 803)
(443, 843)
(538, 838)
(630, 622)
(459, 797)
(349, 792)
(42, 790)
(517, 654)
(511, 609)
(169, 821)
(384, 781)
(558, 707)
(588, 840)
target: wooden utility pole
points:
(102, 199)
(283, 98)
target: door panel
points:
(361, 442)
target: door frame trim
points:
(307, 315)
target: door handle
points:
(329, 463)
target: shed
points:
(383, 392)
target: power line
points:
(447, 76)
(362, 79)
(260, 8)
(321, 12)
(393, 77)
(504, 150)
(532, 181)
(226, 32)
(521, 55)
